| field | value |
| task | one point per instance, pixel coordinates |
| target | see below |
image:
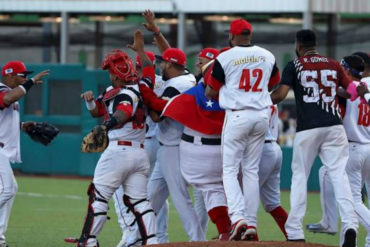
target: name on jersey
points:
(316, 60)
(251, 59)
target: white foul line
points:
(32, 194)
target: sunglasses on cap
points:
(21, 75)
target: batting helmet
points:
(120, 64)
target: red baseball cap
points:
(240, 26)
(15, 68)
(173, 55)
(151, 56)
(209, 53)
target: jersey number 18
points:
(363, 115)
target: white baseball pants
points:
(358, 170)
(127, 166)
(243, 137)
(8, 189)
(269, 176)
(331, 144)
(167, 179)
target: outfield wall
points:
(58, 101)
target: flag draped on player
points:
(205, 115)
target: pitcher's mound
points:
(241, 244)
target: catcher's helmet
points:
(120, 64)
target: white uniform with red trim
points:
(151, 146)
(357, 125)
(245, 73)
(124, 162)
(270, 165)
(166, 178)
(9, 153)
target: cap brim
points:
(159, 57)
(27, 72)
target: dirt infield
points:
(241, 244)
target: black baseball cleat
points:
(296, 240)
(350, 238)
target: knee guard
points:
(94, 196)
(138, 219)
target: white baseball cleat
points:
(319, 228)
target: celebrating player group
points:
(217, 132)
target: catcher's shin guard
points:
(92, 226)
(147, 225)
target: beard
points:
(296, 52)
(230, 44)
(165, 76)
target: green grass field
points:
(46, 210)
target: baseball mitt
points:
(96, 141)
(42, 132)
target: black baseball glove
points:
(42, 132)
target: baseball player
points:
(315, 79)
(151, 146)
(269, 173)
(200, 150)
(241, 76)
(166, 177)
(122, 107)
(356, 124)
(13, 86)
(205, 56)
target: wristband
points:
(90, 105)
(110, 123)
(27, 85)
(367, 96)
(157, 33)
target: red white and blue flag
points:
(195, 111)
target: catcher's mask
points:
(120, 64)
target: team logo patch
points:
(210, 55)
(8, 71)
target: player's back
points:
(247, 71)
(356, 121)
(315, 79)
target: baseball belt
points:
(204, 141)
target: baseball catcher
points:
(124, 126)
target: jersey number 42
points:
(245, 80)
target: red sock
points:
(280, 216)
(220, 217)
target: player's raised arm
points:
(24, 85)
(150, 25)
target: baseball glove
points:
(42, 132)
(96, 141)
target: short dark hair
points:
(364, 56)
(306, 37)
(355, 64)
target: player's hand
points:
(138, 44)
(362, 89)
(26, 125)
(150, 24)
(210, 92)
(37, 78)
(87, 96)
